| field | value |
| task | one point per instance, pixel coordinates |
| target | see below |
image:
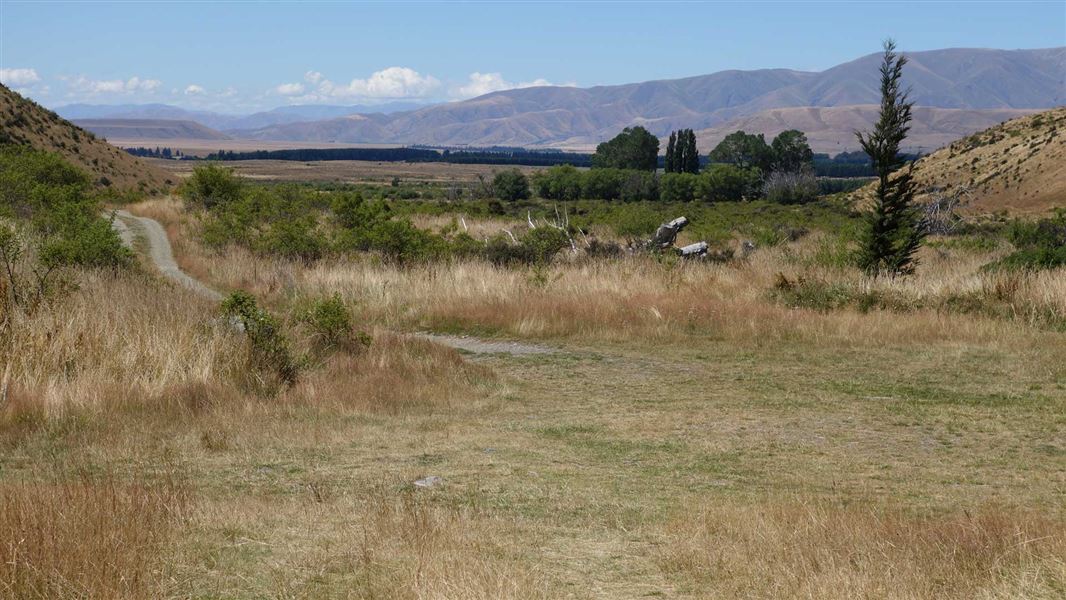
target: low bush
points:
(790, 188)
(510, 185)
(271, 363)
(1040, 244)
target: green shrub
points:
(721, 182)
(510, 185)
(1040, 244)
(678, 187)
(639, 185)
(270, 359)
(602, 184)
(211, 185)
(561, 182)
(331, 322)
(536, 247)
(292, 238)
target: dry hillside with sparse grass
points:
(1018, 166)
(23, 121)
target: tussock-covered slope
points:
(23, 121)
(1018, 166)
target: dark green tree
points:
(894, 227)
(692, 154)
(743, 150)
(671, 146)
(792, 153)
(634, 148)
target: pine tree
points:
(671, 149)
(894, 227)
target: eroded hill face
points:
(1018, 166)
(23, 121)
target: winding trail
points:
(130, 228)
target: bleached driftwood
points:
(666, 235)
(693, 250)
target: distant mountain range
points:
(970, 89)
(221, 121)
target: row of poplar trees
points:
(681, 153)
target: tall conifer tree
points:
(894, 226)
(671, 153)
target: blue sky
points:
(243, 56)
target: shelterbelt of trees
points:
(685, 159)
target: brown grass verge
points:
(813, 550)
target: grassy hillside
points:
(27, 123)
(1019, 165)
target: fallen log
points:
(697, 250)
(666, 235)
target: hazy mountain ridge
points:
(967, 79)
(156, 129)
(221, 121)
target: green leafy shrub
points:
(292, 238)
(602, 184)
(331, 322)
(1040, 244)
(536, 247)
(728, 183)
(211, 185)
(511, 185)
(561, 182)
(678, 187)
(270, 360)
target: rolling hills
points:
(972, 80)
(26, 122)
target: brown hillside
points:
(23, 121)
(1019, 165)
(149, 129)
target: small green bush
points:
(270, 360)
(331, 322)
(1040, 244)
(211, 185)
(510, 185)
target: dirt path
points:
(130, 227)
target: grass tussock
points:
(394, 374)
(89, 538)
(412, 549)
(817, 551)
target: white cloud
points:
(229, 92)
(21, 77)
(485, 83)
(387, 84)
(193, 90)
(114, 86)
(290, 89)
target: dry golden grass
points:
(814, 550)
(637, 297)
(87, 538)
(659, 452)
